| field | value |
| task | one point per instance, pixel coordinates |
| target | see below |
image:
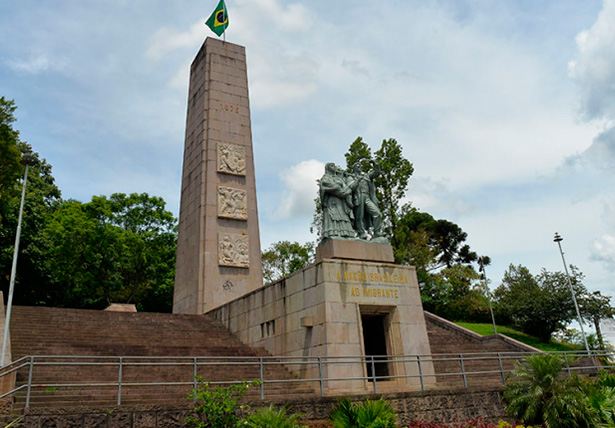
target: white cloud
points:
(603, 250)
(181, 78)
(36, 64)
(169, 39)
(294, 17)
(270, 91)
(593, 68)
(301, 189)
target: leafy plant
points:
(269, 417)
(541, 394)
(218, 406)
(369, 414)
(601, 400)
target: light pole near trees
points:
(27, 160)
(559, 239)
(482, 262)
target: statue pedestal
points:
(345, 312)
(354, 250)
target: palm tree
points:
(601, 400)
(542, 394)
(370, 414)
(269, 417)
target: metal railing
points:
(319, 373)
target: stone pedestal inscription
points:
(233, 250)
(231, 159)
(232, 203)
(218, 217)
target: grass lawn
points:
(487, 329)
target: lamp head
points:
(557, 238)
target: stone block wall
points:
(316, 312)
(434, 406)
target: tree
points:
(540, 395)
(392, 183)
(42, 197)
(359, 152)
(10, 154)
(445, 239)
(538, 305)
(119, 249)
(596, 307)
(284, 257)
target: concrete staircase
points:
(176, 339)
(159, 337)
(448, 341)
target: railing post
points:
(322, 392)
(374, 375)
(119, 383)
(30, 370)
(501, 369)
(463, 372)
(194, 378)
(567, 364)
(418, 361)
(262, 378)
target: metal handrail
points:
(318, 363)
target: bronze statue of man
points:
(367, 215)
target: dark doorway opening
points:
(374, 339)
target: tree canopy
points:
(42, 197)
(392, 183)
(284, 257)
(10, 154)
(82, 255)
(116, 249)
(538, 304)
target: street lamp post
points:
(27, 160)
(484, 277)
(559, 239)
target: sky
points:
(505, 108)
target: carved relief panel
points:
(233, 250)
(231, 159)
(232, 203)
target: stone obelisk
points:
(218, 249)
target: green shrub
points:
(218, 406)
(542, 394)
(369, 414)
(601, 400)
(269, 417)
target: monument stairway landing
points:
(171, 339)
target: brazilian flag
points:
(218, 21)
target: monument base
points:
(354, 250)
(357, 318)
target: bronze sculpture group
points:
(349, 204)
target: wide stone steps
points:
(171, 339)
(447, 344)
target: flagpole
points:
(226, 19)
